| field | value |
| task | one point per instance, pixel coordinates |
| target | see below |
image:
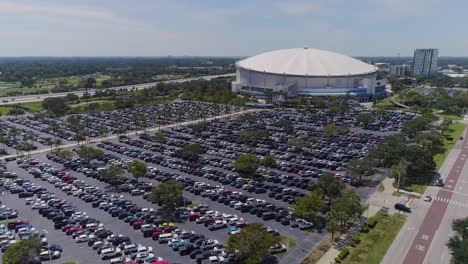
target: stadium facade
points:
(303, 72)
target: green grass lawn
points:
(374, 245)
(4, 110)
(33, 106)
(397, 194)
(456, 132)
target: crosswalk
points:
(451, 202)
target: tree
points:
(190, 152)
(359, 168)
(381, 111)
(413, 127)
(64, 153)
(90, 153)
(160, 138)
(113, 174)
(103, 131)
(333, 129)
(246, 164)
(23, 252)
(269, 162)
(55, 106)
(432, 142)
(137, 169)
(253, 134)
(328, 187)
(348, 203)
(458, 243)
(365, 119)
(16, 111)
(89, 83)
(70, 97)
(332, 225)
(400, 171)
(168, 195)
(252, 244)
(307, 207)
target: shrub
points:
(356, 239)
(337, 260)
(371, 222)
(365, 229)
(343, 253)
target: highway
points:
(423, 237)
(40, 97)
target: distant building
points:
(383, 66)
(399, 70)
(425, 62)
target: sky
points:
(230, 27)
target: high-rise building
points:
(398, 70)
(425, 62)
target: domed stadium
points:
(303, 72)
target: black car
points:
(402, 207)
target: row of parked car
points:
(123, 119)
(21, 229)
(147, 220)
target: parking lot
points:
(228, 200)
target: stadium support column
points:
(250, 82)
(264, 80)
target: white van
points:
(164, 238)
(110, 253)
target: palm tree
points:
(332, 227)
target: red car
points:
(356, 183)
(241, 224)
(193, 216)
(72, 230)
(156, 234)
(12, 225)
(169, 229)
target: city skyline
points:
(222, 28)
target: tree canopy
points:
(190, 152)
(458, 243)
(138, 169)
(252, 244)
(246, 164)
(168, 195)
(55, 106)
(90, 153)
(307, 207)
(22, 252)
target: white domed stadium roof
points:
(306, 61)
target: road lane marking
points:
(424, 237)
(420, 247)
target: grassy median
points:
(456, 130)
(374, 245)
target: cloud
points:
(298, 8)
(14, 8)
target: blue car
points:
(129, 218)
(177, 245)
(22, 226)
(232, 229)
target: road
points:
(423, 237)
(40, 97)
